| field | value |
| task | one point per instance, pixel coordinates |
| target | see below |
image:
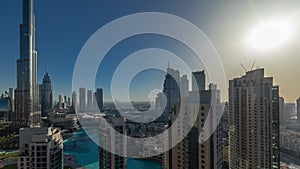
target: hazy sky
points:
(63, 27)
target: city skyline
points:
(60, 62)
(182, 90)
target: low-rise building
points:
(40, 148)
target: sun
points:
(269, 35)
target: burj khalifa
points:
(27, 112)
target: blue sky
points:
(63, 27)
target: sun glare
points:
(269, 35)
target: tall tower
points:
(82, 100)
(253, 122)
(74, 102)
(113, 142)
(184, 86)
(27, 107)
(89, 105)
(46, 95)
(298, 109)
(281, 110)
(198, 81)
(99, 99)
(171, 90)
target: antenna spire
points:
(243, 67)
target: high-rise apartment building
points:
(40, 148)
(27, 107)
(89, 105)
(62, 103)
(289, 110)
(189, 153)
(281, 110)
(298, 109)
(160, 101)
(11, 94)
(184, 86)
(74, 102)
(82, 100)
(98, 102)
(5, 110)
(253, 121)
(46, 95)
(171, 89)
(114, 141)
(198, 81)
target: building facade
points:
(289, 110)
(11, 94)
(298, 109)
(253, 122)
(281, 110)
(74, 102)
(46, 95)
(171, 90)
(82, 100)
(5, 110)
(89, 106)
(190, 153)
(114, 142)
(184, 86)
(198, 81)
(98, 101)
(27, 107)
(40, 148)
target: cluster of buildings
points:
(290, 140)
(289, 112)
(253, 124)
(255, 112)
(89, 101)
(24, 107)
(290, 127)
(31, 107)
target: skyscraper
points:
(275, 122)
(198, 81)
(281, 110)
(82, 100)
(171, 90)
(62, 102)
(184, 86)
(114, 142)
(11, 93)
(46, 95)
(40, 148)
(5, 110)
(298, 109)
(89, 106)
(189, 153)
(289, 110)
(160, 101)
(27, 107)
(253, 121)
(99, 99)
(74, 102)
(12, 98)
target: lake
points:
(86, 153)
